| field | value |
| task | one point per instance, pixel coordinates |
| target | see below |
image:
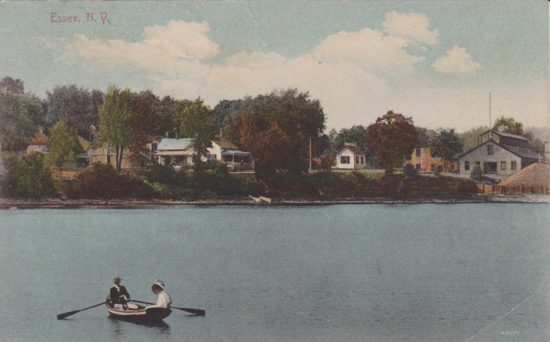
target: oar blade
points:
(196, 312)
(67, 314)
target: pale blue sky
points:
(505, 42)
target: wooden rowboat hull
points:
(139, 314)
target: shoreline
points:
(139, 204)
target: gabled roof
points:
(354, 149)
(224, 143)
(514, 136)
(522, 152)
(170, 144)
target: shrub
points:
(162, 174)
(102, 181)
(476, 174)
(28, 177)
(409, 171)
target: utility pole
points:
(310, 160)
(490, 119)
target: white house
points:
(236, 160)
(175, 152)
(179, 152)
(499, 155)
(351, 157)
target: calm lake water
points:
(334, 273)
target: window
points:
(356, 159)
(503, 165)
(362, 160)
(513, 165)
(417, 167)
(466, 165)
(344, 159)
(432, 167)
(478, 163)
(490, 149)
(418, 152)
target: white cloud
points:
(456, 61)
(345, 71)
(176, 45)
(357, 76)
(411, 26)
(369, 49)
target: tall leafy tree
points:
(79, 107)
(115, 121)
(145, 119)
(426, 137)
(357, 134)
(391, 138)
(508, 125)
(63, 145)
(297, 115)
(195, 120)
(447, 144)
(272, 148)
(20, 114)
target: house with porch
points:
(179, 153)
(351, 157)
(499, 155)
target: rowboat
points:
(139, 314)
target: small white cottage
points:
(351, 157)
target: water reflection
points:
(119, 326)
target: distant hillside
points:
(543, 133)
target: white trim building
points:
(499, 155)
(179, 153)
(351, 157)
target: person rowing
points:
(163, 299)
(118, 295)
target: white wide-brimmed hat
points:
(160, 284)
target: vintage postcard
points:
(275, 171)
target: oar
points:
(197, 312)
(70, 313)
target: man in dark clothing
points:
(118, 295)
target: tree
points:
(115, 121)
(447, 144)
(391, 138)
(145, 119)
(328, 161)
(20, 114)
(536, 142)
(79, 107)
(470, 138)
(357, 134)
(28, 178)
(195, 120)
(63, 145)
(298, 116)
(8, 84)
(508, 125)
(272, 148)
(426, 137)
